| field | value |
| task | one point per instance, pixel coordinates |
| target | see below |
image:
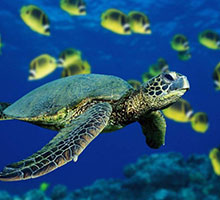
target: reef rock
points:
(165, 176)
(159, 177)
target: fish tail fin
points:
(3, 106)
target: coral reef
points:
(155, 177)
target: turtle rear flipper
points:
(3, 106)
(154, 128)
(64, 147)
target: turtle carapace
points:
(80, 107)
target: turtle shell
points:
(69, 91)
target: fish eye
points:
(27, 12)
(169, 77)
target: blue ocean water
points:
(108, 53)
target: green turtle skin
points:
(81, 107)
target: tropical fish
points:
(216, 76)
(179, 43)
(181, 111)
(78, 67)
(139, 22)
(159, 67)
(184, 55)
(42, 66)
(36, 19)
(199, 122)
(146, 76)
(68, 57)
(214, 156)
(73, 7)
(210, 39)
(116, 21)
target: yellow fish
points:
(180, 43)
(146, 77)
(36, 19)
(184, 55)
(139, 22)
(209, 39)
(181, 111)
(78, 67)
(214, 156)
(68, 57)
(41, 66)
(199, 122)
(216, 76)
(73, 7)
(162, 65)
(159, 67)
(116, 21)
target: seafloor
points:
(167, 176)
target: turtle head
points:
(165, 89)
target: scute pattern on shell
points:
(69, 91)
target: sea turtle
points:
(82, 106)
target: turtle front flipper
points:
(3, 106)
(64, 147)
(154, 128)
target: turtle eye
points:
(169, 77)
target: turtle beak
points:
(181, 84)
(185, 84)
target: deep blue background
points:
(108, 53)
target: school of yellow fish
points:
(118, 22)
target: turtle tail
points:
(3, 106)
